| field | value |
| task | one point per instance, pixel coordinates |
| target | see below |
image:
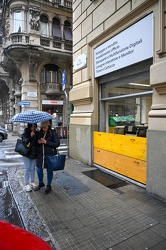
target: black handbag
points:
(22, 148)
(55, 162)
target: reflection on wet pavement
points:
(8, 211)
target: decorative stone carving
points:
(32, 66)
(7, 25)
(35, 19)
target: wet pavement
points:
(8, 211)
(82, 213)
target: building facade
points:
(119, 61)
(36, 49)
(4, 93)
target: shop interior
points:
(126, 101)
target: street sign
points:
(63, 79)
(23, 103)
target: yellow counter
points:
(123, 154)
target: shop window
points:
(126, 97)
(44, 25)
(67, 31)
(17, 21)
(56, 29)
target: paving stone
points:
(81, 213)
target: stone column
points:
(156, 139)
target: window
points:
(56, 29)
(67, 31)
(17, 21)
(124, 94)
(44, 25)
(50, 74)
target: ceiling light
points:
(139, 84)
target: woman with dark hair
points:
(30, 137)
(48, 143)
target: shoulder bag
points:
(55, 162)
(22, 148)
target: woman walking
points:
(29, 137)
(48, 143)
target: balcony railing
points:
(45, 42)
(65, 3)
(18, 38)
(57, 45)
(51, 88)
(68, 46)
(68, 4)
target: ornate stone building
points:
(4, 89)
(36, 48)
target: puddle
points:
(71, 184)
(8, 211)
(105, 179)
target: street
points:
(8, 212)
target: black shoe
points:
(41, 184)
(48, 190)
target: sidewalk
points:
(80, 213)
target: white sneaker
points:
(33, 184)
(28, 188)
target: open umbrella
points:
(31, 116)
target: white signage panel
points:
(52, 102)
(131, 46)
(80, 62)
(32, 94)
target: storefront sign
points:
(52, 102)
(132, 45)
(80, 62)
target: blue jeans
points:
(29, 164)
(40, 175)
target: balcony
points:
(51, 88)
(45, 42)
(19, 38)
(64, 3)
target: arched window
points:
(44, 25)
(56, 29)
(17, 21)
(67, 31)
(50, 74)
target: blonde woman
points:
(47, 145)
